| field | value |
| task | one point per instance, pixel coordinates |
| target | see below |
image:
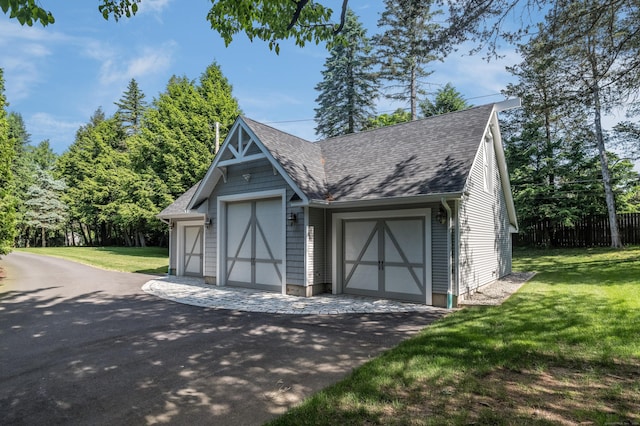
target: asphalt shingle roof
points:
(179, 206)
(429, 156)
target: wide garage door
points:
(254, 244)
(385, 257)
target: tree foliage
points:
(45, 209)
(131, 107)
(349, 87)
(447, 99)
(383, 120)
(598, 62)
(7, 154)
(404, 48)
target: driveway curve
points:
(87, 346)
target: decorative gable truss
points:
(241, 147)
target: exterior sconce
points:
(441, 216)
(291, 218)
(207, 223)
(172, 225)
(247, 177)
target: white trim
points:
(221, 229)
(336, 237)
(498, 151)
(180, 244)
(210, 180)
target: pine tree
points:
(45, 210)
(447, 99)
(131, 108)
(349, 87)
(7, 156)
(405, 47)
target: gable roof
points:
(431, 157)
(428, 156)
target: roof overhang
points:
(185, 215)
(502, 162)
(382, 202)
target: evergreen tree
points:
(447, 99)
(45, 210)
(7, 155)
(349, 87)
(131, 108)
(221, 106)
(176, 141)
(405, 47)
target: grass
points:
(148, 260)
(565, 349)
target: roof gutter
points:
(430, 198)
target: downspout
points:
(450, 281)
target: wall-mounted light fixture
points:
(291, 218)
(441, 216)
(247, 176)
(207, 222)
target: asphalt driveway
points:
(80, 345)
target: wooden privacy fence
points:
(590, 231)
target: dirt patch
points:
(562, 395)
(498, 291)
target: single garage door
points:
(254, 244)
(385, 257)
(192, 259)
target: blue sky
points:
(57, 76)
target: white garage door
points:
(192, 259)
(385, 257)
(254, 245)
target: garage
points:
(384, 254)
(255, 244)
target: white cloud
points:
(118, 65)
(25, 50)
(153, 6)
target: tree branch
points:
(300, 4)
(342, 17)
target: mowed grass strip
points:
(147, 260)
(565, 349)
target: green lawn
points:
(565, 349)
(148, 260)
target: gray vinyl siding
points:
(485, 240)
(438, 243)
(318, 262)
(262, 179)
